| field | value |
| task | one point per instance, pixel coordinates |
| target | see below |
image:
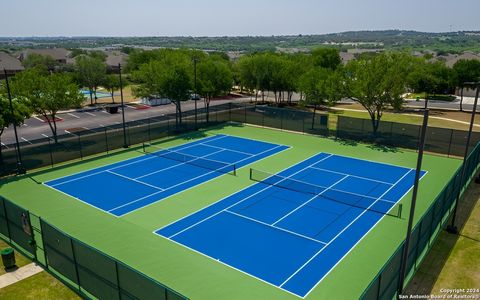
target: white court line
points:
(114, 168)
(89, 204)
(134, 180)
(238, 202)
(343, 230)
(26, 140)
(183, 182)
(371, 228)
(75, 116)
(278, 228)
(225, 264)
(360, 177)
(205, 183)
(90, 114)
(175, 165)
(324, 187)
(241, 152)
(310, 200)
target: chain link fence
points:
(89, 272)
(434, 220)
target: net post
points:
(400, 208)
(251, 171)
(143, 147)
(235, 170)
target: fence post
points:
(118, 280)
(43, 239)
(149, 138)
(75, 263)
(80, 147)
(245, 114)
(6, 219)
(106, 138)
(450, 143)
(50, 150)
(33, 243)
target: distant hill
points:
(451, 42)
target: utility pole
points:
(125, 144)
(195, 87)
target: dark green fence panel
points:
(424, 233)
(97, 272)
(59, 252)
(19, 226)
(134, 285)
(3, 220)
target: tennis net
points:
(344, 197)
(210, 164)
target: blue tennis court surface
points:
(126, 186)
(292, 239)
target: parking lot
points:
(89, 118)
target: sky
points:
(231, 18)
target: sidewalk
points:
(19, 274)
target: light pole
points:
(452, 228)
(125, 144)
(20, 168)
(403, 266)
(195, 87)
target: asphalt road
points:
(35, 128)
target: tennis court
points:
(126, 186)
(291, 229)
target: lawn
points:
(39, 286)
(20, 259)
(454, 261)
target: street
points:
(89, 118)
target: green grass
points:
(130, 238)
(454, 261)
(39, 286)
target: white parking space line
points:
(3, 145)
(38, 118)
(90, 114)
(24, 139)
(75, 116)
(45, 135)
(104, 111)
(25, 124)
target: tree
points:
(21, 112)
(377, 83)
(215, 78)
(47, 94)
(43, 62)
(465, 71)
(246, 74)
(430, 78)
(328, 58)
(90, 73)
(112, 84)
(321, 86)
(169, 77)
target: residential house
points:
(10, 64)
